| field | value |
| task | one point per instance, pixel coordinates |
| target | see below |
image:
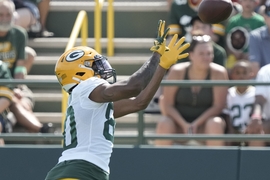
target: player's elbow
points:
(141, 104)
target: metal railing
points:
(98, 26)
(197, 137)
(182, 83)
(141, 137)
(80, 27)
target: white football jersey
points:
(239, 106)
(264, 76)
(89, 127)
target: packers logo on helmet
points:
(74, 55)
(79, 64)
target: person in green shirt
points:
(180, 15)
(237, 31)
(206, 29)
(15, 54)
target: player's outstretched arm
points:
(170, 57)
(141, 77)
(138, 80)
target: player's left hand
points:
(160, 41)
(175, 52)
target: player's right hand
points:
(171, 56)
(160, 41)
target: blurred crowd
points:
(19, 20)
(236, 49)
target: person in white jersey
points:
(94, 103)
(240, 99)
(260, 115)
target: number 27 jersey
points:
(89, 127)
(239, 106)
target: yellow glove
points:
(174, 54)
(160, 42)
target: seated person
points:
(260, 114)
(6, 96)
(180, 15)
(197, 26)
(194, 109)
(32, 16)
(259, 43)
(240, 100)
(19, 62)
(237, 31)
(17, 53)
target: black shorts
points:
(3, 124)
(6, 124)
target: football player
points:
(94, 104)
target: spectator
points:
(6, 96)
(194, 109)
(197, 26)
(259, 43)
(180, 16)
(32, 15)
(44, 7)
(237, 31)
(261, 3)
(181, 13)
(260, 115)
(13, 48)
(18, 37)
(237, 8)
(240, 100)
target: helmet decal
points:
(74, 55)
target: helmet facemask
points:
(103, 68)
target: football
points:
(215, 11)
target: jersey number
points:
(109, 125)
(235, 118)
(70, 133)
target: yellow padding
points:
(174, 29)
(69, 179)
(231, 60)
(6, 92)
(219, 29)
